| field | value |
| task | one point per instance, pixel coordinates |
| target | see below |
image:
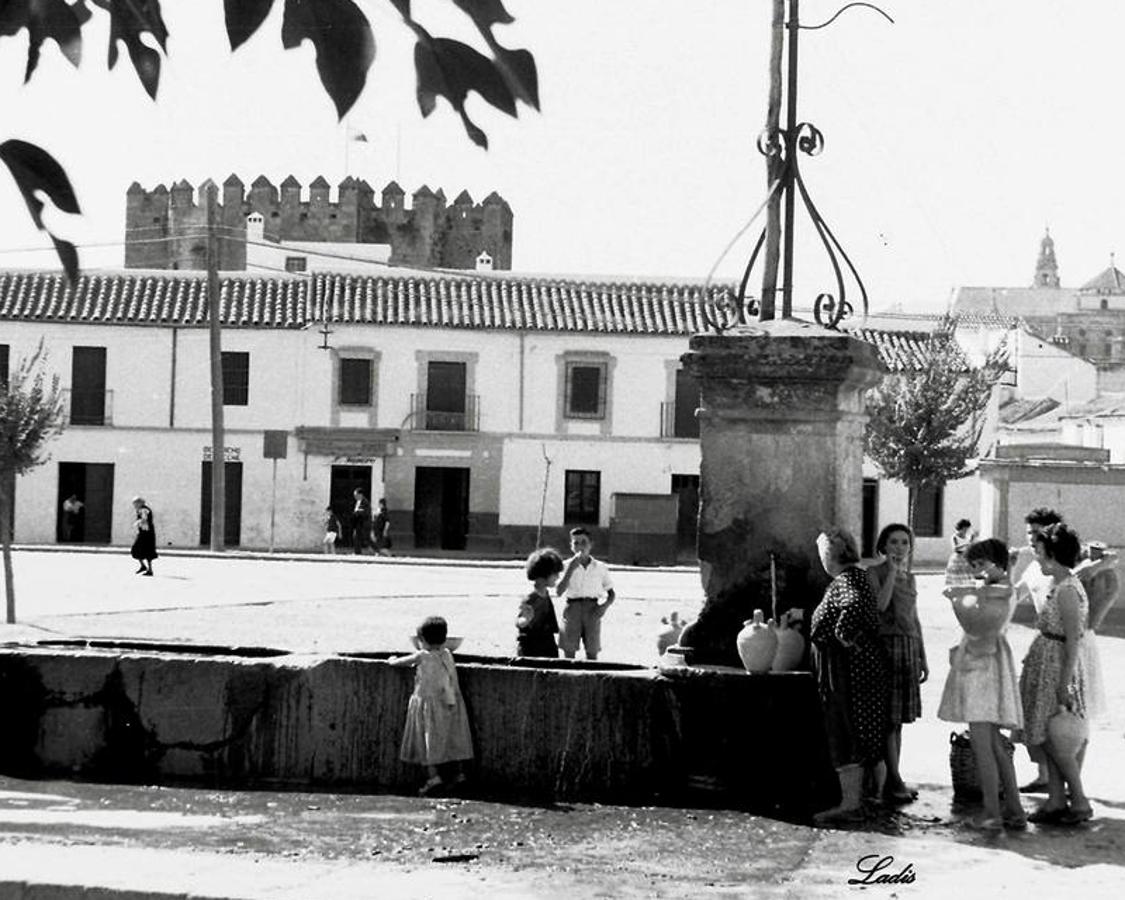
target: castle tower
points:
(1047, 268)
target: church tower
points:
(1047, 268)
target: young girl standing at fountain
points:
(981, 688)
(896, 596)
(437, 726)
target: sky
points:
(954, 136)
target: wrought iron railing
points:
(83, 406)
(425, 419)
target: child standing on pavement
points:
(536, 624)
(584, 582)
(982, 688)
(437, 726)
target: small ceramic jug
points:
(757, 643)
(790, 645)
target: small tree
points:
(925, 425)
(31, 414)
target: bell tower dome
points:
(1047, 268)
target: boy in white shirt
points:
(584, 582)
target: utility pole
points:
(218, 439)
(775, 165)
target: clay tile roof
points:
(902, 351)
(423, 191)
(1109, 281)
(510, 302)
(462, 199)
(152, 298)
(320, 182)
(261, 181)
(393, 188)
(233, 179)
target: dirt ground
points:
(459, 846)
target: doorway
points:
(92, 484)
(686, 489)
(341, 497)
(441, 507)
(232, 512)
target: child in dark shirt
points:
(536, 624)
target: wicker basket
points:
(963, 765)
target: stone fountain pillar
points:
(781, 434)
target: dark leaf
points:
(518, 69)
(45, 20)
(485, 13)
(451, 69)
(345, 46)
(244, 17)
(129, 21)
(33, 170)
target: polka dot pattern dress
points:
(851, 668)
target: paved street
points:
(170, 841)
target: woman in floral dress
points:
(850, 660)
(1054, 675)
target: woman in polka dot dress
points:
(850, 660)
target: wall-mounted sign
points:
(356, 460)
(230, 454)
(275, 444)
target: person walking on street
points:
(361, 520)
(72, 519)
(331, 531)
(144, 544)
(584, 582)
(381, 529)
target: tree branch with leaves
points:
(31, 414)
(924, 426)
(338, 30)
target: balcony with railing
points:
(83, 406)
(424, 419)
(678, 422)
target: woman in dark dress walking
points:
(144, 544)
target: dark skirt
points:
(537, 645)
(144, 545)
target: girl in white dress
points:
(982, 688)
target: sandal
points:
(1076, 815)
(429, 787)
(989, 824)
(1045, 816)
(901, 796)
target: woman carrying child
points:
(1054, 676)
(981, 687)
(536, 623)
(437, 726)
(896, 596)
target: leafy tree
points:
(31, 414)
(338, 30)
(925, 425)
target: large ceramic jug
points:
(790, 646)
(757, 644)
(1067, 731)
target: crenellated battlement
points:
(163, 224)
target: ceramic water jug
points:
(1067, 731)
(757, 643)
(790, 646)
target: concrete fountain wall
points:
(568, 731)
